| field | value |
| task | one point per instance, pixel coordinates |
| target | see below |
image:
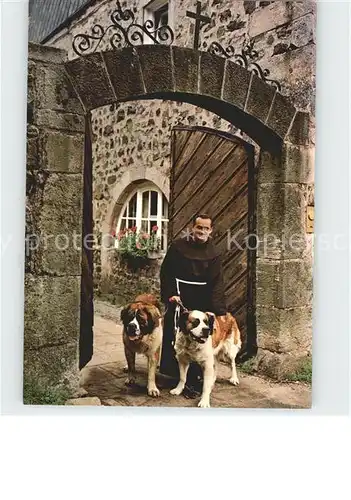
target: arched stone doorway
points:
(283, 273)
(256, 108)
(230, 91)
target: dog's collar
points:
(180, 307)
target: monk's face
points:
(202, 229)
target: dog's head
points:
(199, 325)
(140, 319)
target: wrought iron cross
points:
(200, 22)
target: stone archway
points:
(283, 277)
(176, 73)
(283, 272)
(60, 94)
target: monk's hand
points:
(175, 298)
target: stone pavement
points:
(104, 378)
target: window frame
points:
(159, 218)
(149, 10)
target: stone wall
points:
(125, 281)
(55, 147)
(284, 266)
(136, 135)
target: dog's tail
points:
(148, 298)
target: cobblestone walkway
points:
(104, 378)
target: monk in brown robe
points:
(191, 273)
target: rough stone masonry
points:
(55, 148)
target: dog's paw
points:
(234, 381)
(153, 391)
(176, 391)
(130, 381)
(204, 403)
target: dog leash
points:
(177, 312)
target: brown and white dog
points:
(202, 338)
(142, 334)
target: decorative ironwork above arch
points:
(125, 32)
(245, 58)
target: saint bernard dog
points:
(202, 338)
(142, 334)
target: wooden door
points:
(212, 172)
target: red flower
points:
(154, 229)
(113, 234)
(138, 245)
(133, 229)
(146, 236)
(122, 233)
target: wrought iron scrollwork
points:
(119, 14)
(246, 58)
(217, 49)
(123, 32)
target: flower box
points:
(139, 245)
(153, 254)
